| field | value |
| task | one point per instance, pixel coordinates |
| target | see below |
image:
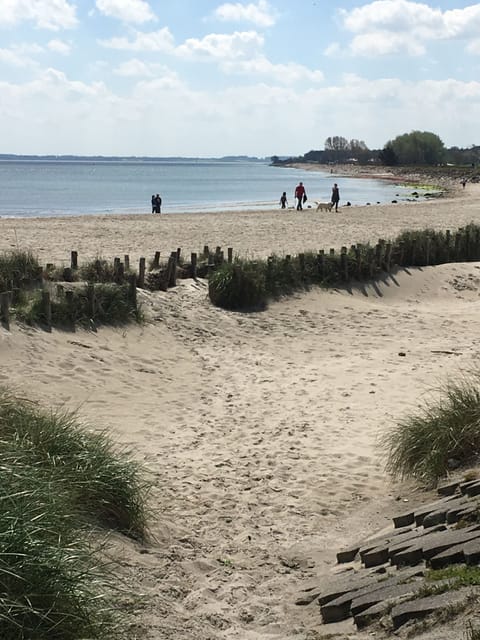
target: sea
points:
(45, 188)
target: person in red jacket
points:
(300, 195)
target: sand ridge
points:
(260, 429)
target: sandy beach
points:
(259, 430)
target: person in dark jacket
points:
(335, 196)
(300, 195)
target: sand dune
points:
(259, 429)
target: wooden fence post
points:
(371, 262)
(378, 254)
(74, 260)
(172, 281)
(120, 273)
(344, 263)
(332, 252)
(388, 256)
(141, 273)
(427, 250)
(301, 262)
(193, 259)
(321, 263)
(5, 309)
(457, 245)
(467, 244)
(92, 310)
(206, 252)
(447, 244)
(67, 274)
(179, 252)
(132, 289)
(230, 254)
(47, 308)
(71, 307)
(358, 260)
(126, 262)
(156, 260)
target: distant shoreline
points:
(445, 178)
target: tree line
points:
(416, 148)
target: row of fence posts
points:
(378, 258)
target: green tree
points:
(418, 147)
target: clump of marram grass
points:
(443, 432)
(51, 584)
(57, 482)
(240, 285)
(111, 304)
(104, 484)
(18, 268)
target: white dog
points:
(327, 206)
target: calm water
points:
(51, 188)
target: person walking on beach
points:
(300, 195)
(154, 204)
(335, 196)
(158, 204)
(283, 200)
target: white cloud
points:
(133, 69)
(393, 26)
(474, 47)
(136, 11)
(244, 44)
(161, 40)
(261, 14)
(288, 73)
(46, 14)
(59, 46)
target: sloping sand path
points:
(259, 430)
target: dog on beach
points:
(324, 206)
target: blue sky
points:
(209, 78)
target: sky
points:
(209, 78)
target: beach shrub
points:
(240, 285)
(97, 270)
(445, 431)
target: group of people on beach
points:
(156, 203)
(300, 195)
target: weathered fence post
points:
(378, 254)
(132, 289)
(332, 252)
(344, 263)
(141, 273)
(172, 280)
(388, 256)
(457, 245)
(401, 256)
(47, 308)
(5, 309)
(321, 263)
(71, 307)
(358, 260)
(230, 254)
(427, 250)
(301, 262)
(67, 274)
(179, 252)
(60, 290)
(126, 262)
(74, 260)
(91, 300)
(156, 260)
(467, 244)
(371, 262)
(206, 253)
(193, 260)
(120, 273)
(447, 244)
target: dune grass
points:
(59, 483)
(444, 432)
(104, 483)
(18, 268)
